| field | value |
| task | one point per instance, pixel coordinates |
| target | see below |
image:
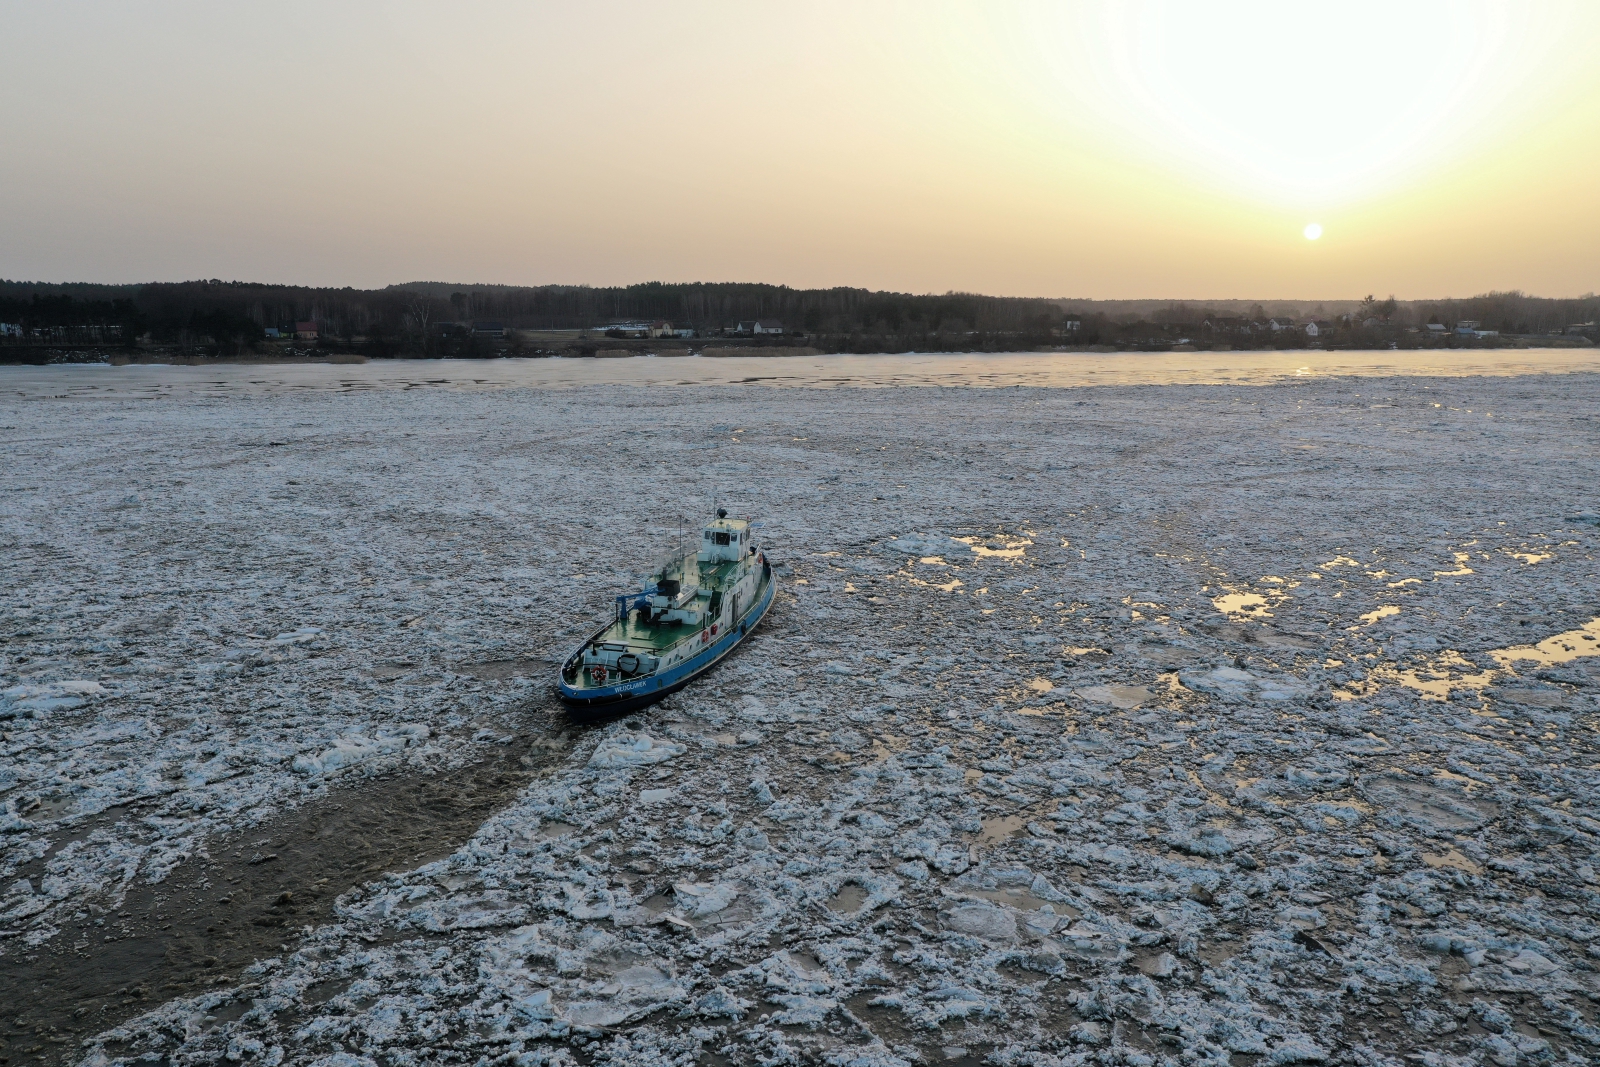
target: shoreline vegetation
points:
(209, 321)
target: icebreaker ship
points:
(700, 605)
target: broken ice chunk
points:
(634, 750)
(1235, 686)
(355, 748)
(1531, 963)
(1202, 841)
(10, 821)
(802, 1010)
(1317, 779)
(1160, 966)
(918, 545)
(719, 1003)
(1125, 697)
(699, 900)
(915, 870)
(638, 991)
(35, 701)
(303, 636)
(1040, 923)
(988, 921)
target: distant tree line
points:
(89, 317)
(1510, 312)
(407, 319)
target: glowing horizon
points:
(1096, 150)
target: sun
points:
(1313, 230)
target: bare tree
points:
(419, 311)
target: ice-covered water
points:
(951, 369)
(1080, 731)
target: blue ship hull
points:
(636, 693)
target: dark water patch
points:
(213, 916)
(501, 670)
(848, 900)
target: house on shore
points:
(306, 331)
(488, 328)
(758, 327)
(1318, 328)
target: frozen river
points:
(1252, 718)
(956, 370)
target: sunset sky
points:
(1135, 149)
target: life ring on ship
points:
(631, 666)
(705, 635)
(598, 673)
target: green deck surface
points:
(658, 637)
(647, 636)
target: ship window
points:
(720, 537)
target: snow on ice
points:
(1080, 732)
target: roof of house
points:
(305, 327)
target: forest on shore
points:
(434, 318)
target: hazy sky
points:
(1160, 148)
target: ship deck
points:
(660, 636)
